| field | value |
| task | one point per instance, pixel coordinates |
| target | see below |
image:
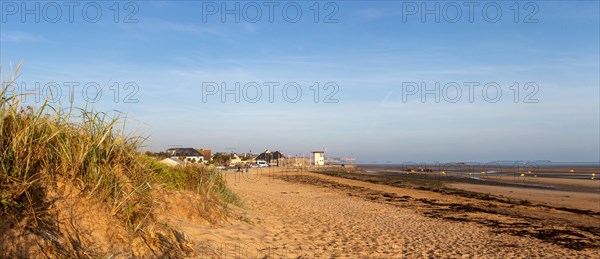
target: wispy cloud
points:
(21, 37)
(154, 24)
(372, 14)
(183, 27)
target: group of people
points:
(247, 168)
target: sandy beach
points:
(300, 129)
(313, 215)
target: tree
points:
(220, 159)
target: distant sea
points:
(500, 163)
(580, 170)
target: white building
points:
(188, 155)
(318, 157)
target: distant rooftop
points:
(183, 152)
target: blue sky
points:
(370, 53)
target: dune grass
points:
(45, 146)
(197, 178)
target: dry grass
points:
(45, 151)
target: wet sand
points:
(577, 200)
(531, 170)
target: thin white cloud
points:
(20, 37)
(183, 27)
(371, 14)
(153, 24)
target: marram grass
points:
(43, 146)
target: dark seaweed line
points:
(563, 237)
(456, 192)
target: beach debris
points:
(571, 171)
(444, 172)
